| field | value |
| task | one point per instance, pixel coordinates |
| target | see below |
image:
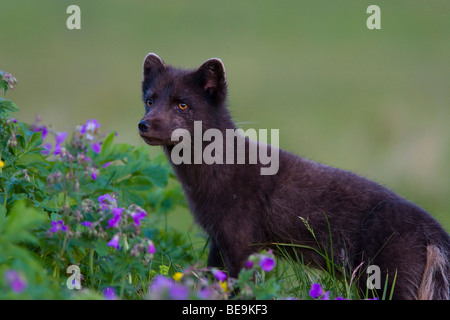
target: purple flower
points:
(114, 242)
(151, 248)
(96, 147)
(106, 197)
(106, 201)
(219, 275)
(47, 149)
(177, 292)
(138, 216)
(109, 293)
(117, 211)
(316, 291)
(89, 128)
(15, 281)
(57, 150)
(204, 294)
(94, 175)
(44, 132)
(249, 264)
(114, 221)
(106, 164)
(60, 137)
(57, 226)
(267, 263)
(43, 129)
(86, 223)
(161, 282)
(163, 288)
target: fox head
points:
(175, 98)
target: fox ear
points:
(153, 64)
(211, 76)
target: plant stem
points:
(91, 265)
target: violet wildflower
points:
(57, 226)
(107, 164)
(151, 247)
(96, 147)
(109, 293)
(44, 132)
(60, 137)
(89, 128)
(166, 288)
(249, 264)
(316, 290)
(42, 129)
(107, 201)
(106, 197)
(178, 292)
(114, 221)
(15, 281)
(86, 223)
(204, 293)
(57, 150)
(219, 275)
(94, 174)
(114, 242)
(160, 286)
(267, 263)
(47, 149)
(138, 216)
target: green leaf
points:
(101, 248)
(20, 220)
(106, 145)
(158, 175)
(29, 159)
(2, 217)
(8, 105)
(35, 141)
(138, 183)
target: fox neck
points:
(197, 176)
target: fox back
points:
(355, 220)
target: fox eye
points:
(182, 106)
(149, 102)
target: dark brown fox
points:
(243, 210)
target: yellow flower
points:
(2, 163)
(177, 276)
(223, 284)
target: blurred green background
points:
(376, 102)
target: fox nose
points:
(143, 126)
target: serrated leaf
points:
(20, 220)
(158, 175)
(35, 141)
(138, 183)
(29, 159)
